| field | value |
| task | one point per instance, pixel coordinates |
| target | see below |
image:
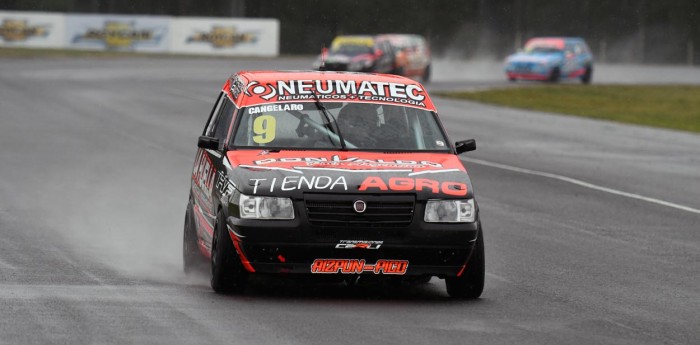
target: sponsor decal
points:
(18, 30)
(204, 172)
(223, 37)
(352, 161)
(352, 244)
(358, 266)
(348, 90)
(375, 183)
(288, 183)
(236, 87)
(223, 184)
(119, 35)
(275, 107)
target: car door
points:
(209, 168)
(570, 60)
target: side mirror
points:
(465, 146)
(208, 143)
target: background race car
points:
(551, 59)
(400, 54)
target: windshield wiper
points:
(327, 116)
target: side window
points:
(209, 128)
(220, 119)
(224, 121)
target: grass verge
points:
(665, 106)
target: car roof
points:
(259, 87)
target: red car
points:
(331, 173)
(401, 54)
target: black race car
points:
(331, 173)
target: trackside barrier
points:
(188, 35)
(32, 30)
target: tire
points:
(470, 284)
(427, 74)
(512, 80)
(192, 259)
(587, 76)
(555, 75)
(227, 272)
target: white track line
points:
(583, 184)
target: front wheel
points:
(227, 272)
(587, 76)
(470, 284)
(554, 75)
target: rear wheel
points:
(426, 74)
(470, 284)
(192, 259)
(227, 272)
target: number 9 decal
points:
(264, 127)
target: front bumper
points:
(527, 76)
(296, 246)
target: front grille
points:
(383, 211)
(523, 66)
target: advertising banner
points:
(239, 36)
(31, 29)
(117, 32)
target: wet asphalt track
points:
(94, 165)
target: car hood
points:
(293, 173)
(536, 57)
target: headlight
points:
(262, 207)
(450, 211)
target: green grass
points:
(673, 106)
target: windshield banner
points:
(337, 90)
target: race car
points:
(412, 56)
(401, 54)
(357, 54)
(551, 59)
(333, 174)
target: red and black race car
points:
(331, 173)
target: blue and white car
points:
(551, 59)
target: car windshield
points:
(351, 49)
(542, 50)
(359, 126)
